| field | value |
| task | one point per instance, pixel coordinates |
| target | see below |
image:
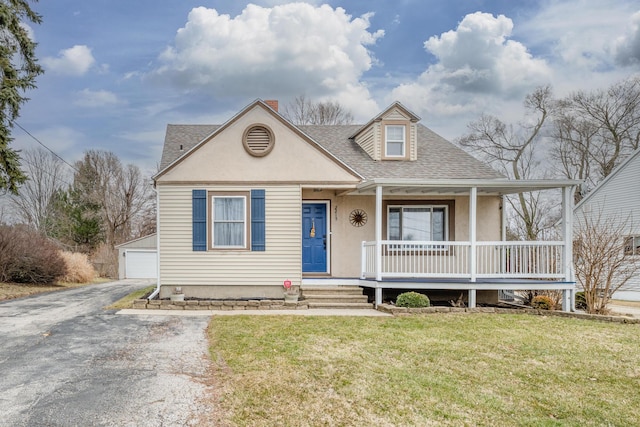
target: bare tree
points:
(303, 111)
(46, 175)
(120, 191)
(595, 131)
(514, 152)
(601, 265)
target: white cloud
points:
(283, 51)
(580, 36)
(478, 69)
(100, 98)
(627, 46)
(75, 61)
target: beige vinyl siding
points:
(372, 139)
(413, 141)
(181, 266)
(395, 114)
(367, 141)
(378, 136)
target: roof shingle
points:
(437, 157)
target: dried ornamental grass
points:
(79, 269)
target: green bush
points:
(581, 301)
(28, 257)
(412, 300)
(542, 302)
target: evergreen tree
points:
(18, 71)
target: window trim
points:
(632, 245)
(246, 195)
(449, 214)
(430, 206)
(406, 147)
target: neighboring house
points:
(387, 205)
(617, 197)
(138, 258)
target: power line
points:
(54, 177)
(49, 149)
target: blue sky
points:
(117, 72)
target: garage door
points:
(140, 265)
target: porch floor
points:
(444, 283)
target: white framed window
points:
(395, 140)
(229, 221)
(632, 245)
(417, 223)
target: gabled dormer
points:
(391, 135)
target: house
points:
(617, 198)
(138, 259)
(387, 205)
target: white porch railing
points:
(430, 259)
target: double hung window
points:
(395, 138)
(229, 219)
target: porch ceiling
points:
(462, 186)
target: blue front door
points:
(314, 238)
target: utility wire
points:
(54, 177)
(50, 150)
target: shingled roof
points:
(437, 157)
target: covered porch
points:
(470, 264)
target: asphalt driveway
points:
(65, 361)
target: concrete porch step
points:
(335, 297)
(331, 290)
(340, 305)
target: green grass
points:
(127, 301)
(450, 369)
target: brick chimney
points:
(273, 103)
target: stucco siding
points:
(346, 240)
(224, 159)
(181, 266)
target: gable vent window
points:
(258, 140)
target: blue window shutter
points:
(199, 217)
(257, 220)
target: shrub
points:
(581, 301)
(542, 302)
(28, 257)
(528, 296)
(412, 300)
(79, 269)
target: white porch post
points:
(473, 202)
(567, 235)
(378, 243)
(472, 298)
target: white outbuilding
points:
(138, 259)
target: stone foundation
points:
(403, 311)
(219, 305)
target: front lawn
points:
(441, 369)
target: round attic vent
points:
(258, 140)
